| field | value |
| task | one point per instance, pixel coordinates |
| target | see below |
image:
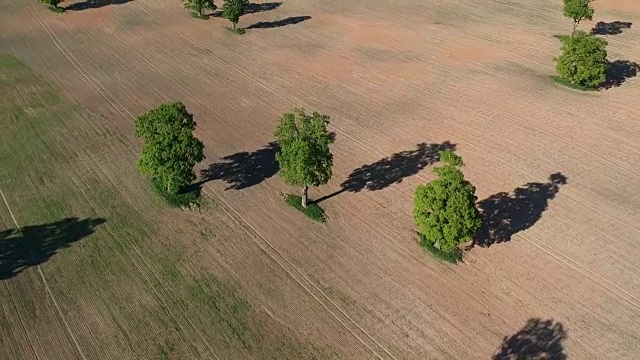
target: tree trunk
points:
(234, 25)
(305, 189)
(575, 26)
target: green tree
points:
(444, 209)
(52, 3)
(233, 9)
(583, 60)
(198, 6)
(170, 149)
(578, 10)
(304, 156)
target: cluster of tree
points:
(583, 60)
(232, 10)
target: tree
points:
(578, 10)
(583, 60)
(304, 156)
(233, 9)
(444, 209)
(197, 6)
(52, 3)
(170, 150)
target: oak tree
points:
(583, 61)
(304, 157)
(170, 149)
(578, 10)
(444, 209)
(233, 9)
(198, 6)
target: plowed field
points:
(95, 266)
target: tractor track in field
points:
(582, 276)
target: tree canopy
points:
(170, 149)
(578, 10)
(198, 6)
(444, 209)
(304, 156)
(583, 60)
(233, 9)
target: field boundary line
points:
(46, 284)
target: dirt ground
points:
(555, 169)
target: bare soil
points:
(556, 169)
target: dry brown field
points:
(113, 273)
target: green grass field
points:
(98, 245)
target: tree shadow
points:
(619, 71)
(34, 245)
(392, 169)
(506, 214)
(244, 169)
(253, 8)
(278, 23)
(612, 28)
(538, 339)
(94, 4)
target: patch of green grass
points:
(238, 31)
(183, 198)
(561, 37)
(9, 62)
(224, 305)
(453, 257)
(569, 84)
(313, 211)
(200, 16)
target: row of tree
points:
(232, 10)
(444, 209)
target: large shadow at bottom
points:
(278, 23)
(34, 245)
(94, 4)
(505, 214)
(244, 169)
(538, 339)
(392, 169)
(619, 71)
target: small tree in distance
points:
(578, 10)
(233, 9)
(583, 61)
(170, 149)
(198, 6)
(304, 156)
(444, 209)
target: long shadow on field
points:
(244, 169)
(392, 169)
(506, 214)
(34, 245)
(612, 28)
(278, 23)
(94, 4)
(253, 8)
(619, 71)
(538, 339)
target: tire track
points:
(46, 285)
